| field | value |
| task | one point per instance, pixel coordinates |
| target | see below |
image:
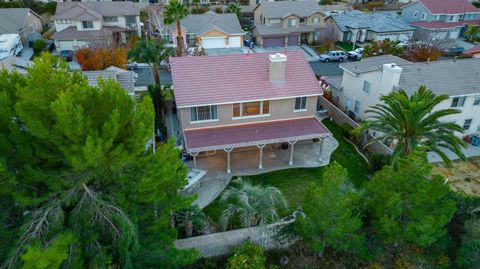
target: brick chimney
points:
(277, 67)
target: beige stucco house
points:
(209, 31)
(270, 100)
(291, 23)
(86, 24)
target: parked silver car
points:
(334, 55)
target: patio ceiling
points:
(253, 134)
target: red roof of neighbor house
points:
(207, 80)
(444, 25)
(449, 6)
(473, 50)
(253, 134)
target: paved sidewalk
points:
(470, 151)
(246, 164)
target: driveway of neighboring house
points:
(464, 44)
(309, 53)
(245, 163)
(145, 76)
(227, 51)
(326, 69)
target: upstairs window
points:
(415, 14)
(466, 124)
(424, 16)
(356, 109)
(302, 20)
(275, 21)
(203, 113)
(451, 18)
(366, 86)
(315, 20)
(110, 19)
(476, 102)
(87, 24)
(292, 22)
(251, 109)
(301, 104)
(458, 101)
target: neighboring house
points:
(21, 21)
(474, 52)
(209, 30)
(365, 81)
(246, 102)
(125, 78)
(86, 24)
(445, 18)
(358, 26)
(288, 23)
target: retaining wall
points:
(219, 244)
(341, 118)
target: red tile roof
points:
(473, 50)
(449, 6)
(253, 134)
(203, 80)
(444, 25)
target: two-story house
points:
(287, 23)
(239, 102)
(209, 31)
(364, 82)
(445, 18)
(84, 24)
(358, 26)
(22, 21)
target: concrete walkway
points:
(245, 163)
(470, 151)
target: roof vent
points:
(277, 67)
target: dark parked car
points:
(453, 51)
(67, 55)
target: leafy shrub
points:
(200, 10)
(346, 129)
(377, 161)
(374, 265)
(443, 261)
(247, 256)
(469, 255)
(38, 46)
(402, 262)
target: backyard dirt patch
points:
(463, 176)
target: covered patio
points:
(241, 146)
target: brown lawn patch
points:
(463, 176)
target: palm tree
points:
(253, 204)
(414, 122)
(472, 32)
(233, 8)
(175, 12)
(190, 218)
(151, 52)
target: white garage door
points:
(65, 45)
(234, 42)
(213, 42)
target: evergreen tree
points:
(73, 156)
(410, 204)
(330, 214)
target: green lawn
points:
(294, 182)
(345, 46)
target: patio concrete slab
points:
(245, 163)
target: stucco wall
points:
(279, 110)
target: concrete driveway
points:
(326, 69)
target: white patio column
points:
(228, 150)
(292, 145)
(260, 162)
(194, 155)
(321, 149)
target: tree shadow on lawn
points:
(294, 182)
